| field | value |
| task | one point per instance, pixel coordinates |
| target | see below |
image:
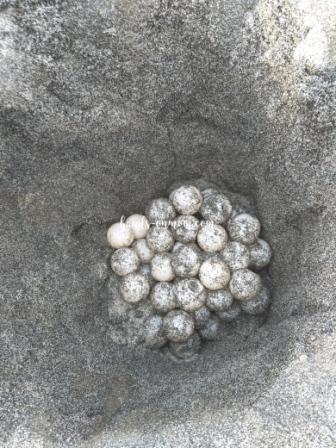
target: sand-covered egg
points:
(187, 199)
(216, 208)
(160, 239)
(236, 255)
(186, 260)
(245, 284)
(178, 325)
(187, 349)
(244, 228)
(201, 316)
(210, 330)
(231, 313)
(134, 288)
(160, 209)
(153, 332)
(219, 300)
(163, 297)
(190, 294)
(258, 304)
(124, 261)
(185, 228)
(260, 254)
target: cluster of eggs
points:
(197, 259)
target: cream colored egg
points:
(143, 251)
(120, 235)
(212, 237)
(161, 268)
(214, 273)
(139, 225)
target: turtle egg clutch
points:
(197, 260)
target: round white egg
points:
(120, 235)
(214, 273)
(161, 267)
(143, 251)
(139, 225)
(212, 237)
